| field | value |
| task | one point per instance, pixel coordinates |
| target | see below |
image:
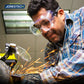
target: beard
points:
(59, 36)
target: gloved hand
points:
(32, 79)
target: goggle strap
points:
(56, 11)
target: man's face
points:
(52, 28)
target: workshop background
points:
(36, 44)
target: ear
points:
(61, 14)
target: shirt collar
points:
(68, 21)
(69, 25)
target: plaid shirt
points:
(67, 61)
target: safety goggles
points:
(44, 23)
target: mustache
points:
(50, 31)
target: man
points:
(65, 33)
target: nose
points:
(45, 29)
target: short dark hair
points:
(35, 5)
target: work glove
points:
(32, 79)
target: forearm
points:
(65, 69)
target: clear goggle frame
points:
(45, 22)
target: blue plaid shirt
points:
(67, 61)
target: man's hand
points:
(32, 79)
